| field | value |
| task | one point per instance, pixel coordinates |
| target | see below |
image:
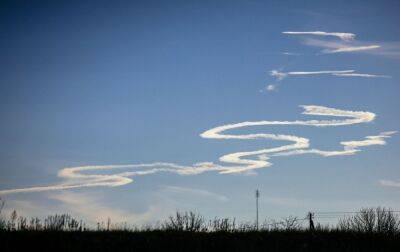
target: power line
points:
(321, 215)
(351, 212)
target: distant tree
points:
(35, 224)
(187, 221)
(62, 222)
(290, 223)
(378, 219)
(11, 224)
(22, 223)
(3, 223)
(222, 225)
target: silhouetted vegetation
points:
(378, 220)
(370, 229)
(188, 221)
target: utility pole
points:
(257, 196)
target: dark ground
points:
(197, 241)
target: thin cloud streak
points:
(342, 35)
(386, 49)
(291, 54)
(195, 192)
(94, 211)
(240, 162)
(340, 73)
(281, 75)
(389, 183)
(361, 75)
(352, 49)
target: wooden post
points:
(310, 219)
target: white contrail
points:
(350, 147)
(369, 140)
(340, 73)
(361, 75)
(343, 46)
(342, 35)
(85, 176)
(351, 49)
(282, 75)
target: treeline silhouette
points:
(370, 229)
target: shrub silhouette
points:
(380, 220)
(186, 221)
(3, 223)
(222, 225)
(371, 229)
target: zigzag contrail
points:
(77, 177)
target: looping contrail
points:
(85, 176)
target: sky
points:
(135, 109)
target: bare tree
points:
(61, 222)
(290, 223)
(35, 224)
(222, 225)
(387, 221)
(378, 219)
(3, 223)
(22, 223)
(187, 221)
(11, 224)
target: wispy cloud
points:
(342, 35)
(341, 73)
(389, 183)
(91, 208)
(270, 87)
(28, 208)
(386, 49)
(362, 75)
(284, 201)
(239, 162)
(291, 54)
(94, 210)
(352, 49)
(195, 192)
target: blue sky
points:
(115, 82)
